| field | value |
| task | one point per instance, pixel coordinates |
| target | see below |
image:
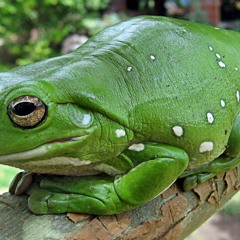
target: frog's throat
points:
(39, 151)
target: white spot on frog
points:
(178, 131)
(120, 133)
(218, 55)
(223, 103)
(210, 117)
(129, 69)
(238, 95)
(210, 48)
(152, 57)
(221, 64)
(206, 147)
(137, 147)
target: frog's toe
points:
(21, 183)
(190, 182)
(38, 201)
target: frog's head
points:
(45, 129)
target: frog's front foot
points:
(59, 194)
(92, 195)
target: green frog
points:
(111, 125)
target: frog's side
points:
(143, 99)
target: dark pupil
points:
(24, 108)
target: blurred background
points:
(34, 30)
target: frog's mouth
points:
(42, 150)
(69, 139)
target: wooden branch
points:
(172, 215)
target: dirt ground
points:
(218, 227)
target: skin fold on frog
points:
(111, 125)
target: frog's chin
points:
(40, 151)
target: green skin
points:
(139, 105)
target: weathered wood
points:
(172, 215)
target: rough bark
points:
(172, 215)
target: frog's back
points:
(176, 82)
(192, 77)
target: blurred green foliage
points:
(6, 175)
(33, 30)
(233, 206)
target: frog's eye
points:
(27, 111)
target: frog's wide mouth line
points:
(38, 151)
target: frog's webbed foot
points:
(92, 195)
(201, 174)
(192, 181)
